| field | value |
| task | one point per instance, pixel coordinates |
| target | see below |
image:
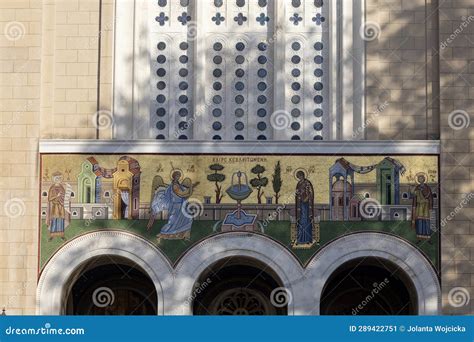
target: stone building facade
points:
(398, 76)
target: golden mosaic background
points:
(196, 167)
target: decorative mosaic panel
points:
(303, 201)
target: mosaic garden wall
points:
(302, 201)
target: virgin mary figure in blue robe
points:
(304, 209)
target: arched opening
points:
(111, 285)
(369, 286)
(238, 286)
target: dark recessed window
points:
(239, 59)
(262, 73)
(161, 72)
(318, 99)
(295, 59)
(295, 126)
(239, 112)
(240, 46)
(318, 126)
(239, 73)
(318, 46)
(239, 126)
(161, 112)
(239, 99)
(239, 86)
(261, 126)
(295, 112)
(262, 112)
(262, 99)
(318, 112)
(318, 59)
(161, 59)
(160, 125)
(295, 86)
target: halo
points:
(300, 169)
(424, 174)
(173, 170)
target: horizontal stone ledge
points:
(408, 147)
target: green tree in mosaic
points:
(277, 182)
(259, 182)
(217, 177)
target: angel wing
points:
(161, 200)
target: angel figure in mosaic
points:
(173, 198)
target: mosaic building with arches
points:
(236, 157)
